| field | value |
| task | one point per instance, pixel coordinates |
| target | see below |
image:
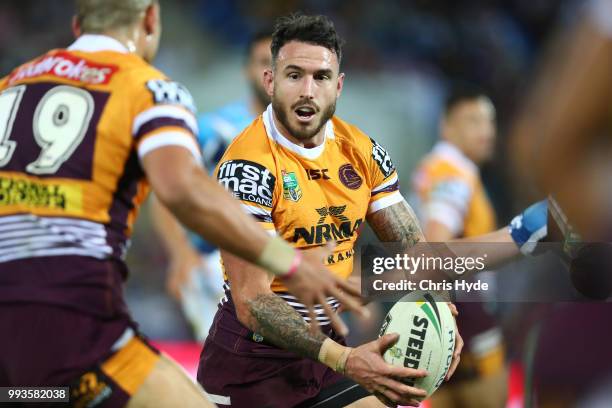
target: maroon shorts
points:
(99, 359)
(239, 369)
(573, 350)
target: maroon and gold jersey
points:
(74, 124)
(310, 196)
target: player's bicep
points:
(169, 170)
(396, 223)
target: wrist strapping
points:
(280, 258)
(334, 355)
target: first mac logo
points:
(249, 181)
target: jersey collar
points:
(453, 154)
(97, 42)
(275, 134)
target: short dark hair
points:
(259, 35)
(462, 93)
(317, 30)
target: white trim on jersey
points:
(253, 210)
(321, 317)
(170, 138)
(387, 183)
(27, 236)
(275, 134)
(164, 111)
(386, 201)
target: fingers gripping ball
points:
(426, 328)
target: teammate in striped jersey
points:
(311, 178)
(83, 130)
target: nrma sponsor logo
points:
(248, 181)
(341, 228)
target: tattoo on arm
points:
(282, 326)
(397, 223)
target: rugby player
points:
(194, 276)
(83, 130)
(451, 202)
(326, 178)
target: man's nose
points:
(308, 85)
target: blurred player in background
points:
(452, 203)
(81, 128)
(562, 145)
(323, 178)
(195, 277)
(561, 141)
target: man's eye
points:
(322, 77)
(294, 75)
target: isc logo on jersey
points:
(249, 181)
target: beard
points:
(302, 132)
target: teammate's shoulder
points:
(437, 167)
(162, 89)
(446, 158)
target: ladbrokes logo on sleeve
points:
(249, 181)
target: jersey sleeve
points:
(447, 201)
(165, 117)
(251, 181)
(384, 180)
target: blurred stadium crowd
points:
(411, 53)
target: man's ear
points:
(340, 84)
(151, 19)
(268, 81)
(76, 26)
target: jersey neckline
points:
(275, 134)
(97, 42)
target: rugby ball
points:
(426, 329)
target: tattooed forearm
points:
(282, 326)
(397, 223)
